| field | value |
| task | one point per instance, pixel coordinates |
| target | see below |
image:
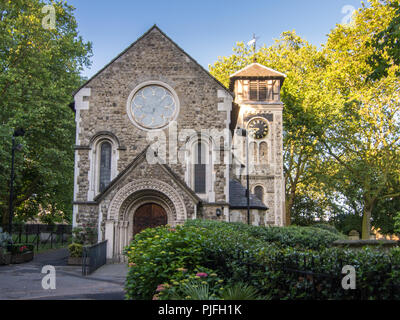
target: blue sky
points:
(205, 29)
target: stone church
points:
(159, 141)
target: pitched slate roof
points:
(154, 27)
(238, 199)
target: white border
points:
(145, 84)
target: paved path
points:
(24, 281)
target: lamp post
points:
(17, 133)
(244, 133)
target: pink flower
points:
(202, 275)
(161, 287)
(155, 297)
(132, 264)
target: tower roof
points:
(256, 70)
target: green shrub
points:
(328, 227)
(156, 255)
(263, 258)
(75, 250)
(293, 236)
(240, 291)
(203, 282)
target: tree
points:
(361, 123)
(40, 68)
(386, 45)
(303, 65)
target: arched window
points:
(200, 169)
(259, 192)
(105, 165)
(253, 153)
(263, 152)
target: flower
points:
(160, 287)
(182, 269)
(132, 264)
(155, 297)
(201, 274)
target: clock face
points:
(258, 128)
(153, 107)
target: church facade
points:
(160, 141)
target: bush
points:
(156, 255)
(240, 291)
(75, 250)
(203, 284)
(263, 258)
(376, 274)
(293, 236)
(328, 227)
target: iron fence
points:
(94, 257)
(41, 235)
(305, 276)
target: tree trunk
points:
(288, 210)
(366, 222)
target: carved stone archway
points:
(127, 200)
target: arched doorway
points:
(149, 215)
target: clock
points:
(153, 107)
(258, 128)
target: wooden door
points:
(150, 215)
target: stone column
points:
(109, 236)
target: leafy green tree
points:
(40, 68)
(386, 45)
(303, 65)
(361, 124)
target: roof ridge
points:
(135, 42)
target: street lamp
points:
(244, 133)
(17, 133)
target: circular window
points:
(153, 106)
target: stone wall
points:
(102, 107)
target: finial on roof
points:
(253, 42)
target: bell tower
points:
(257, 94)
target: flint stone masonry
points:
(102, 106)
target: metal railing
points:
(41, 235)
(94, 257)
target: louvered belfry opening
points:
(257, 83)
(262, 90)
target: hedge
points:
(314, 238)
(270, 259)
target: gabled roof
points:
(142, 157)
(154, 27)
(256, 70)
(238, 199)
